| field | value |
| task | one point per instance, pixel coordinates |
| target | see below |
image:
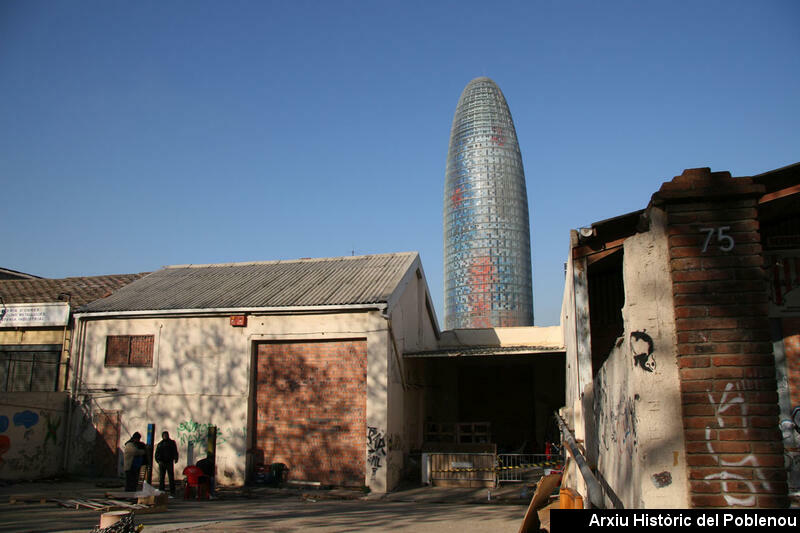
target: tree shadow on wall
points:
(194, 379)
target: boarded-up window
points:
(129, 350)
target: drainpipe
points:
(63, 366)
(75, 359)
(596, 497)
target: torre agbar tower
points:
(487, 244)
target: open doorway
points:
(503, 400)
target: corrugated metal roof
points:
(303, 282)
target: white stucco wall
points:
(653, 397)
(635, 421)
(413, 331)
(201, 375)
(542, 336)
(577, 348)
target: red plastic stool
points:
(195, 478)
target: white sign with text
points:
(33, 315)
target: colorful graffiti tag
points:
(195, 435)
(26, 418)
(27, 455)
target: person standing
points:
(207, 467)
(133, 455)
(166, 457)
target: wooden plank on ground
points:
(121, 495)
(544, 489)
(120, 503)
(23, 498)
(74, 503)
(541, 497)
(90, 504)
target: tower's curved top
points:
(487, 262)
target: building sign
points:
(33, 315)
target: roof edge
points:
(230, 310)
(284, 261)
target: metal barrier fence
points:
(461, 469)
(517, 467)
(486, 469)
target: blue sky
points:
(148, 133)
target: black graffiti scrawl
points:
(376, 448)
(641, 345)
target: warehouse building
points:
(295, 362)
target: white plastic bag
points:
(148, 490)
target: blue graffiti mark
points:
(3, 423)
(26, 418)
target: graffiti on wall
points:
(617, 424)
(26, 419)
(394, 442)
(194, 435)
(784, 274)
(662, 479)
(790, 434)
(376, 449)
(730, 399)
(30, 453)
(5, 445)
(641, 346)
(52, 428)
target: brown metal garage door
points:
(311, 407)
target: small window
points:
(129, 350)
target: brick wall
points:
(727, 371)
(310, 408)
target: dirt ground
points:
(428, 509)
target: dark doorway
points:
(514, 395)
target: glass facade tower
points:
(487, 244)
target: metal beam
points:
(596, 497)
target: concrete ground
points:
(430, 509)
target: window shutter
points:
(117, 350)
(141, 350)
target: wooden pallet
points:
(27, 498)
(98, 504)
